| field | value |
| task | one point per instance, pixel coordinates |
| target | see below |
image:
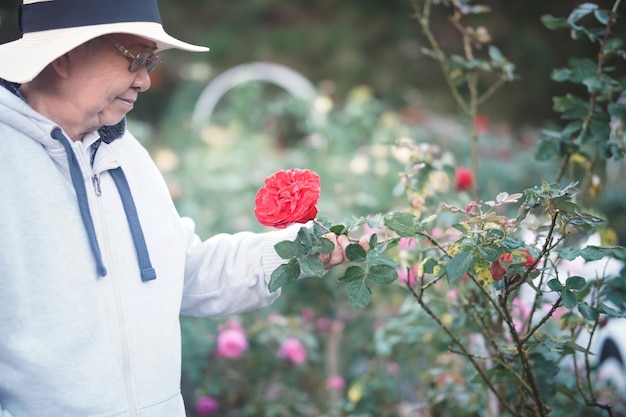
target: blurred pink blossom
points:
(409, 276)
(206, 406)
(407, 243)
(336, 382)
(308, 315)
(293, 351)
(521, 313)
(393, 368)
(323, 324)
(231, 344)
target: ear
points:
(61, 66)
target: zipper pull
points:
(95, 180)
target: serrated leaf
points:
(402, 223)
(588, 311)
(311, 266)
(459, 265)
(356, 253)
(323, 245)
(288, 249)
(283, 275)
(382, 274)
(352, 273)
(359, 294)
(489, 253)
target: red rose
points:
(289, 196)
(464, 178)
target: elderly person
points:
(95, 263)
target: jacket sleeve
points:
(229, 273)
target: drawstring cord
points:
(83, 203)
(143, 257)
(147, 271)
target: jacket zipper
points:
(117, 292)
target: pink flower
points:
(323, 324)
(308, 315)
(409, 276)
(521, 313)
(206, 406)
(407, 243)
(293, 351)
(464, 178)
(231, 344)
(336, 383)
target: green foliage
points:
(461, 305)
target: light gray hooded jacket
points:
(96, 266)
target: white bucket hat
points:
(51, 28)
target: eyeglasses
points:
(148, 59)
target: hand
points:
(338, 255)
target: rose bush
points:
(502, 262)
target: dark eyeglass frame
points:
(149, 59)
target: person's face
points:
(104, 89)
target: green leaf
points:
(594, 253)
(546, 149)
(554, 23)
(288, 249)
(575, 283)
(382, 274)
(575, 347)
(373, 240)
(338, 229)
(555, 285)
(322, 245)
(602, 16)
(459, 265)
(569, 254)
(352, 273)
(578, 13)
(402, 223)
(311, 265)
(283, 275)
(489, 253)
(610, 311)
(588, 311)
(356, 253)
(429, 265)
(305, 238)
(359, 294)
(569, 299)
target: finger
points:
(338, 255)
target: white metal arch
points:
(291, 81)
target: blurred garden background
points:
(366, 84)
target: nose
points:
(142, 81)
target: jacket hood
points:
(24, 118)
